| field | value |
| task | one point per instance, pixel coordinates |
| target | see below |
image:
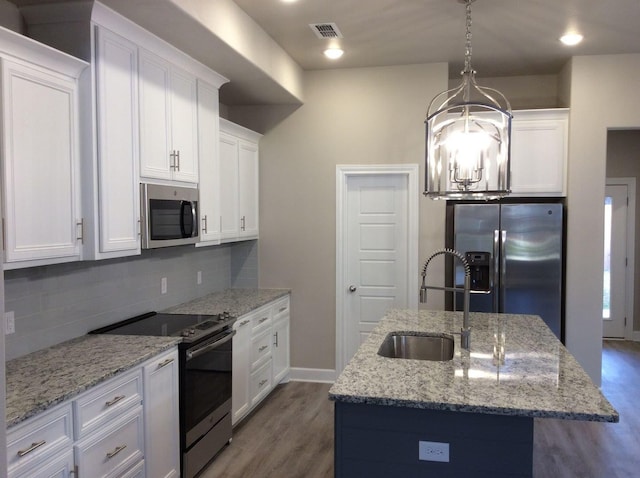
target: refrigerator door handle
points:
(503, 271)
(496, 269)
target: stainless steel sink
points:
(435, 347)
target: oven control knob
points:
(192, 331)
(184, 333)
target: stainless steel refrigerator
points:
(516, 256)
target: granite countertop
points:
(42, 379)
(535, 377)
(235, 301)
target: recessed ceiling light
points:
(571, 39)
(333, 53)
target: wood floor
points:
(291, 434)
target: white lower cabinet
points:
(125, 427)
(34, 445)
(260, 355)
(261, 382)
(241, 366)
(161, 416)
(61, 466)
(280, 352)
(114, 449)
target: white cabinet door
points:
(239, 177)
(184, 126)
(161, 416)
(241, 365)
(539, 152)
(40, 164)
(118, 143)
(229, 207)
(280, 350)
(155, 111)
(248, 189)
(209, 161)
(168, 121)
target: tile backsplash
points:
(59, 302)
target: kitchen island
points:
(472, 415)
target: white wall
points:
(604, 94)
(350, 116)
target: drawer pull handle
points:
(243, 323)
(263, 348)
(117, 450)
(263, 319)
(262, 383)
(164, 363)
(33, 446)
(282, 309)
(114, 401)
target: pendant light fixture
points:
(468, 131)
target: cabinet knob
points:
(352, 288)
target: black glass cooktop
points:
(189, 326)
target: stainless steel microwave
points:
(169, 216)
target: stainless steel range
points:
(205, 379)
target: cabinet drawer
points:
(261, 382)
(260, 349)
(106, 401)
(281, 309)
(261, 321)
(114, 449)
(38, 438)
(60, 466)
(136, 472)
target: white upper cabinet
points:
(539, 152)
(42, 217)
(118, 191)
(168, 122)
(209, 159)
(239, 177)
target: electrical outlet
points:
(433, 451)
(199, 277)
(163, 285)
(9, 323)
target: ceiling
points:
(509, 37)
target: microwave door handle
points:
(183, 206)
(194, 219)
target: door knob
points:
(352, 288)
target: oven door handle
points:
(206, 348)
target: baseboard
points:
(312, 375)
(636, 336)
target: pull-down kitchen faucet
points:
(465, 332)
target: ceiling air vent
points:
(326, 30)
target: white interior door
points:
(615, 261)
(379, 254)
